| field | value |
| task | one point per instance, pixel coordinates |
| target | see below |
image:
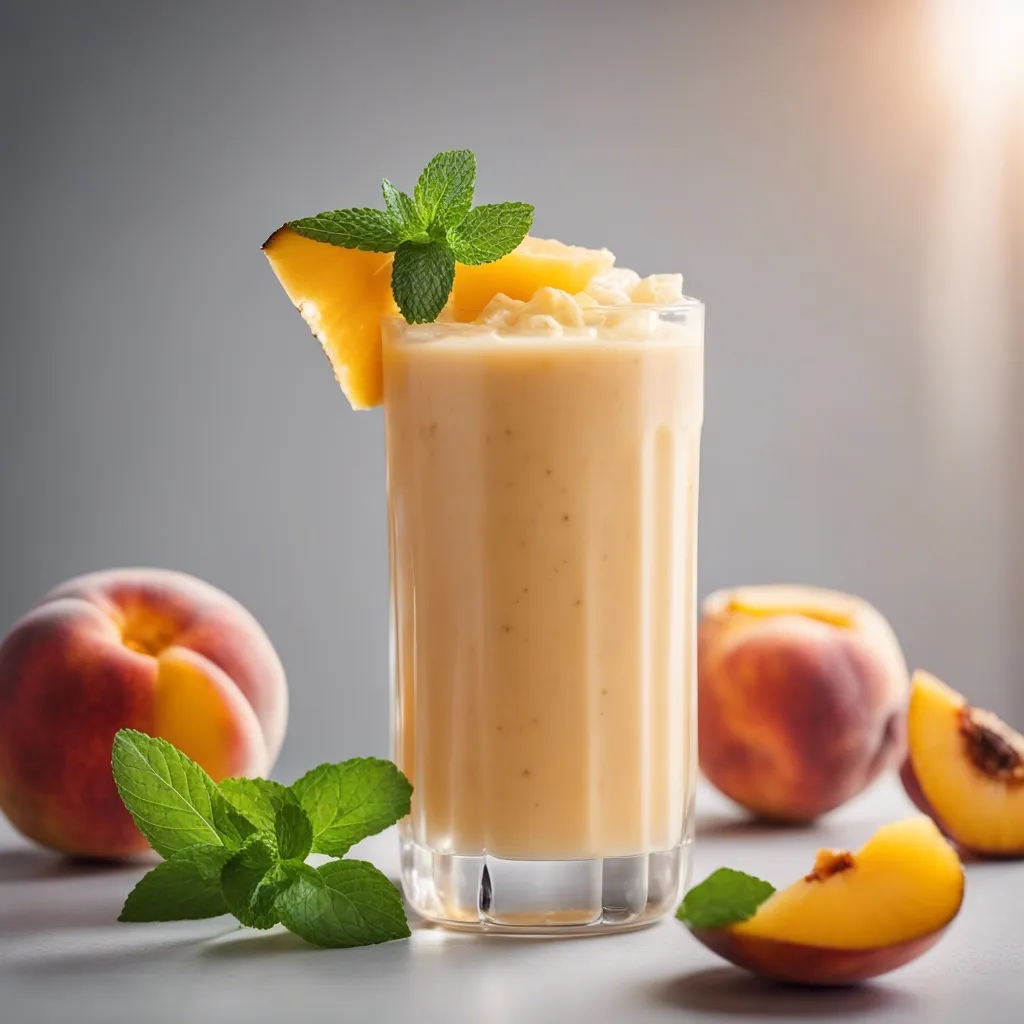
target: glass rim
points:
(688, 304)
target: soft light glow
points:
(967, 342)
(980, 44)
(967, 300)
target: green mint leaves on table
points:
(724, 897)
(239, 847)
(429, 232)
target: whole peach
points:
(802, 696)
(146, 649)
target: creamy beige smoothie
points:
(542, 490)
(543, 412)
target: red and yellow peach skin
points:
(146, 649)
(802, 697)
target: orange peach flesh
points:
(855, 915)
(536, 263)
(832, 616)
(201, 711)
(196, 705)
(342, 295)
(966, 769)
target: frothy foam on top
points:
(552, 312)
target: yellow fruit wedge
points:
(536, 263)
(966, 769)
(856, 915)
(905, 882)
(342, 295)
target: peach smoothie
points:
(542, 412)
(542, 490)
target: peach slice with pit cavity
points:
(855, 915)
(965, 767)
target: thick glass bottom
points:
(543, 897)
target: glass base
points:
(543, 897)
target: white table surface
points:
(63, 956)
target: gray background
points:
(161, 403)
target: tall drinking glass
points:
(542, 512)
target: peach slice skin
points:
(913, 788)
(916, 795)
(811, 965)
(982, 814)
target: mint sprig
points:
(725, 897)
(429, 232)
(240, 847)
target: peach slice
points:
(536, 263)
(966, 769)
(342, 295)
(856, 915)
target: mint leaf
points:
(359, 228)
(184, 888)
(421, 279)
(349, 904)
(444, 192)
(349, 801)
(251, 882)
(294, 832)
(174, 803)
(276, 811)
(404, 214)
(724, 897)
(490, 232)
(264, 904)
(428, 232)
(259, 800)
(240, 847)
